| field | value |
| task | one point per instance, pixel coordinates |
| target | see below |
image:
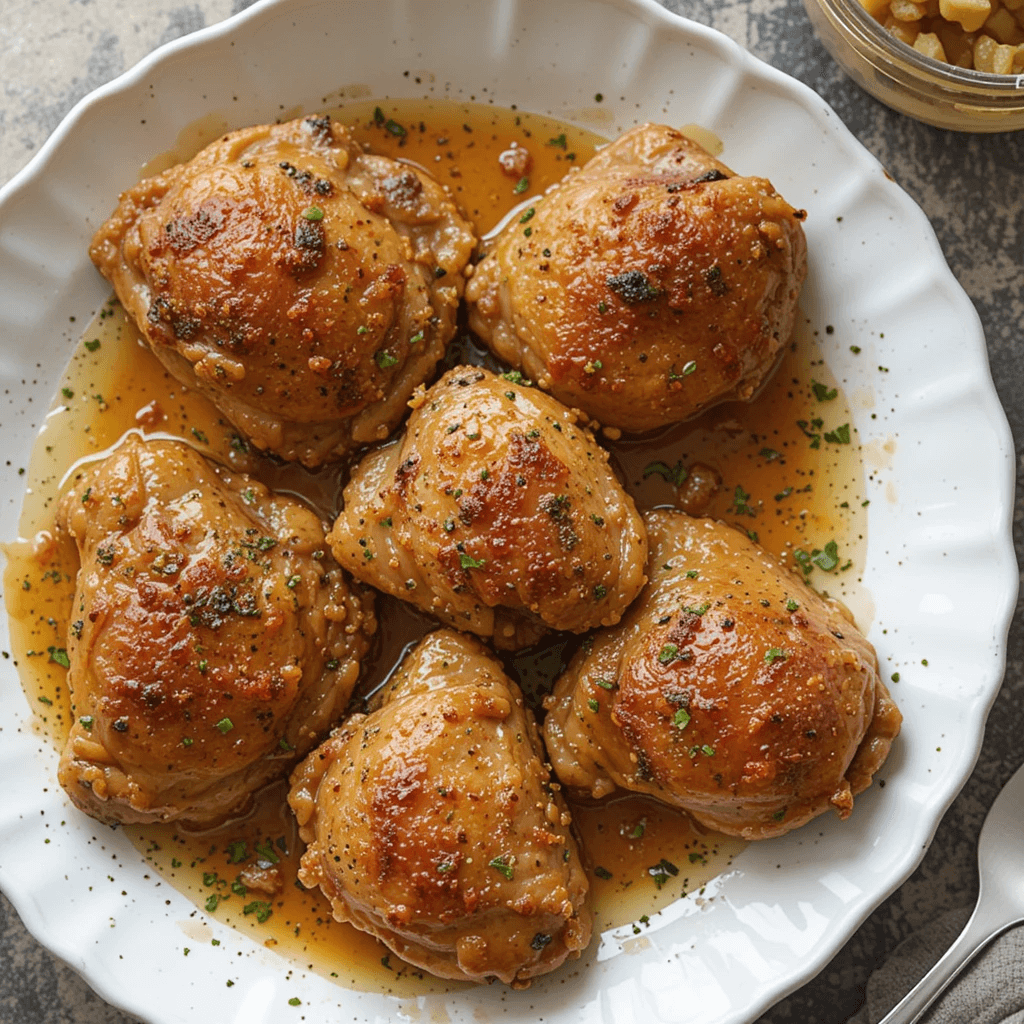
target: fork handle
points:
(979, 931)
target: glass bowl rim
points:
(869, 34)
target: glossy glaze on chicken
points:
(495, 511)
(731, 690)
(309, 287)
(432, 823)
(304, 285)
(213, 640)
(646, 287)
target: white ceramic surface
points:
(940, 566)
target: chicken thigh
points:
(432, 823)
(731, 690)
(647, 286)
(213, 639)
(496, 512)
(303, 285)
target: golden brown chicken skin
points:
(213, 639)
(730, 690)
(647, 286)
(303, 285)
(432, 823)
(496, 512)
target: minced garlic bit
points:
(986, 35)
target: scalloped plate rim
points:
(810, 102)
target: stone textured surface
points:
(53, 52)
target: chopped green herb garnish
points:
(673, 474)
(237, 852)
(662, 871)
(266, 852)
(313, 213)
(740, 502)
(385, 360)
(60, 656)
(502, 866)
(260, 908)
(828, 558)
(469, 562)
(687, 369)
(822, 392)
(774, 654)
(521, 186)
(224, 726)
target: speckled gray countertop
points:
(53, 52)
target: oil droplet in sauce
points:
(786, 468)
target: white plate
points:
(940, 566)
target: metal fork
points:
(1000, 901)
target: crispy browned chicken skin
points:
(432, 823)
(647, 286)
(304, 286)
(213, 641)
(731, 690)
(496, 512)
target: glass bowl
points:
(938, 94)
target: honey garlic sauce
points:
(790, 470)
